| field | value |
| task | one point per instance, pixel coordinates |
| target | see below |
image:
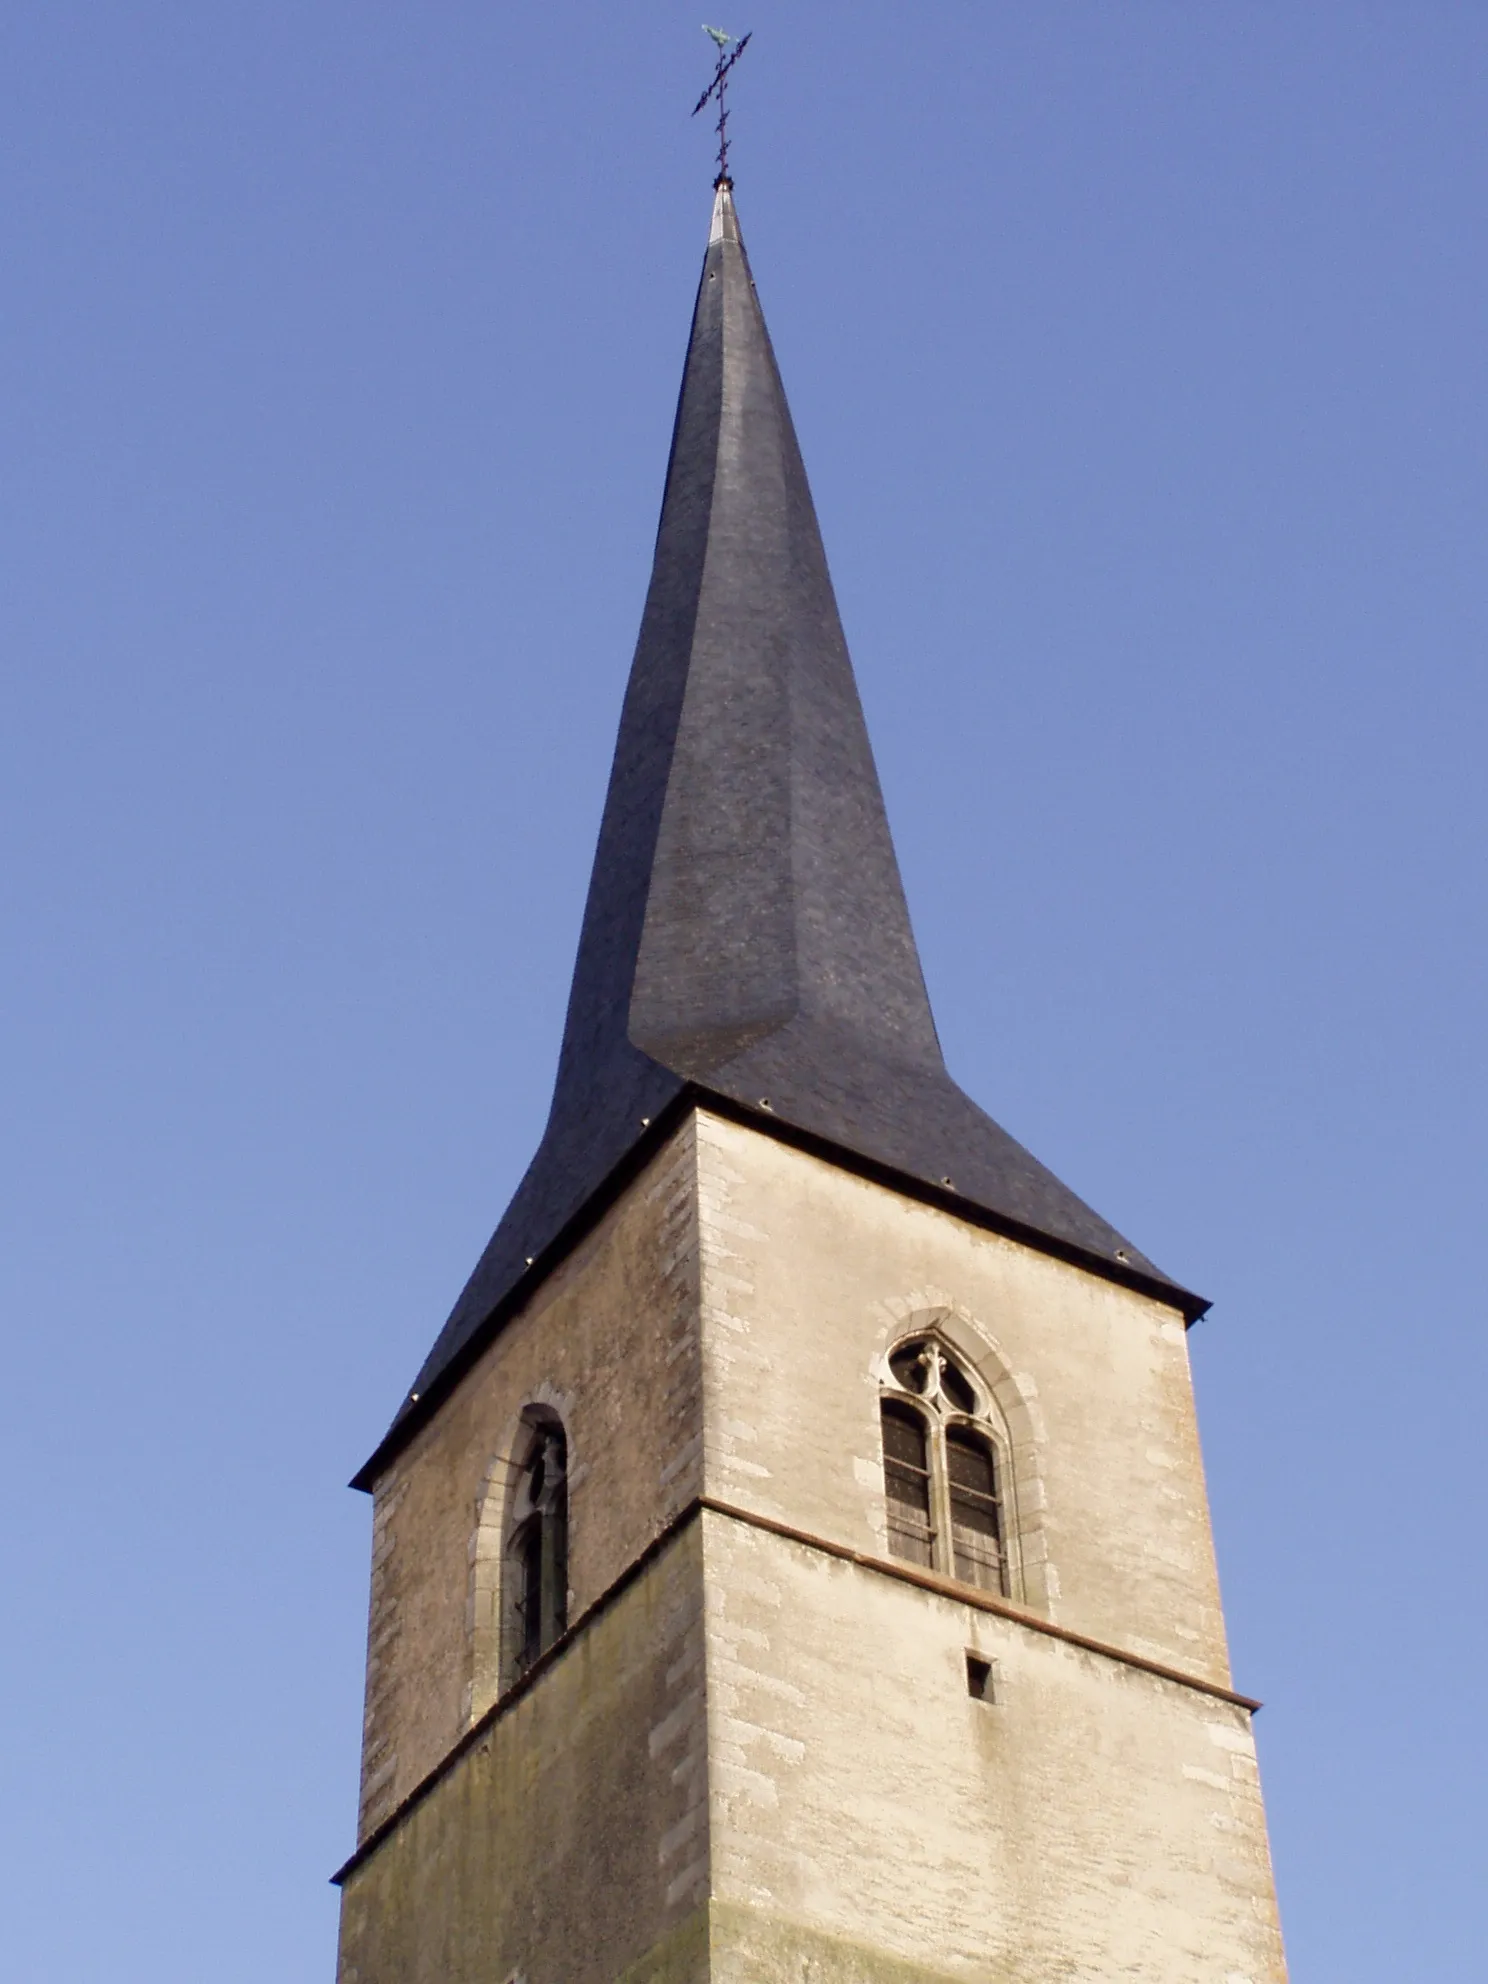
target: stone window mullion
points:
(941, 1498)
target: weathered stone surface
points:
(752, 1946)
(572, 1837)
(610, 1341)
(1096, 1822)
(809, 1275)
(761, 1762)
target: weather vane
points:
(729, 51)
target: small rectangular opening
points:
(979, 1678)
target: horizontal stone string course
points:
(979, 1601)
(960, 1594)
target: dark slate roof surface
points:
(746, 934)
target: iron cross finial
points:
(729, 51)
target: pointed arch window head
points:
(942, 1467)
(924, 1368)
(535, 1584)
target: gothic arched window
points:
(535, 1581)
(942, 1463)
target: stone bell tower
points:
(792, 1561)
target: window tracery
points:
(943, 1464)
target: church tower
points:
(792, 1563)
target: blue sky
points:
(1137, 353)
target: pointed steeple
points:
(746, 941)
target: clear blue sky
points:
(1138, 354)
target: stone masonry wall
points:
(871, 1820)
(610, 1342)
(1097, 1821)
(571, 1840)
(810, 1274)
(760, 1763)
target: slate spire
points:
(746, 939)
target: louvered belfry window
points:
(942, 1462)
(976, 1518)
(907, 1481)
